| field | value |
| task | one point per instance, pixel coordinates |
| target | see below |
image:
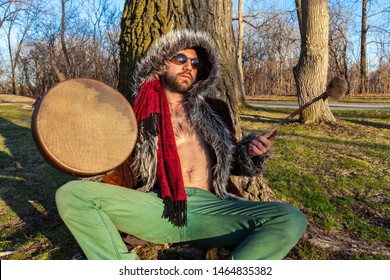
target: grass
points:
(29, 225)
(339, 177)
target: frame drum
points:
(84, 127)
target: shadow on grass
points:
(271, 110)
(27, 186)
(371, 124)
(252, 117)
(258, 119)
(363, 114)
(337, 141)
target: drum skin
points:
(84, 127)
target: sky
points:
(121, 3)
(279, 4)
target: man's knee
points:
(296, 220)
(65, 195)
(66, 189)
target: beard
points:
(173, 83)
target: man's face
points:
(181, 77)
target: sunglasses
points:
(181, 58)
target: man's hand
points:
(260, 144)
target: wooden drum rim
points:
(84, 127)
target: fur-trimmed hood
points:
(167, 46)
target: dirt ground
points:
(16, 99)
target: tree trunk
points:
(239, 67)
(311, 71)
(63, 31)
(363, 88)
(142, 23)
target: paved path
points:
(336, 106)
(6, 99)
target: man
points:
(185, 152)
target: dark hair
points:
(205, 68)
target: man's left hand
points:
(260, 144)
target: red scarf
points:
(152, 101)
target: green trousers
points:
(94, 212)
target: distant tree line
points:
(48, 41)
(43, 42)
(272, 46)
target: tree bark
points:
(63, 31)
(311, 71)
(363, 88)
(142, 23)
(60, 76)
(239, 48)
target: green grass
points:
(338, 176)
(29, 223)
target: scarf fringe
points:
(175, 211)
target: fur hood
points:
(155, 61)
(205, 120)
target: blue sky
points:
(120, 2)
(287, 5)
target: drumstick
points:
(336, 89)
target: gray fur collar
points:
(210, 125)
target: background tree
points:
(363, 50)
(312, 69)
(270, 51)
(9, 8)
(374, 31)
(338, 41)
(239, 48)
(76, 39)
(19, 15)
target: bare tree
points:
(270, 50)
(338, 41)
(89, 42)
(363, 50)
(239, 48)
(90, 39)
(311, 71)
(9, 8)
(21, 15)
(375, 30)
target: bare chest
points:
(195, 154)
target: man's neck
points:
(174, 98)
